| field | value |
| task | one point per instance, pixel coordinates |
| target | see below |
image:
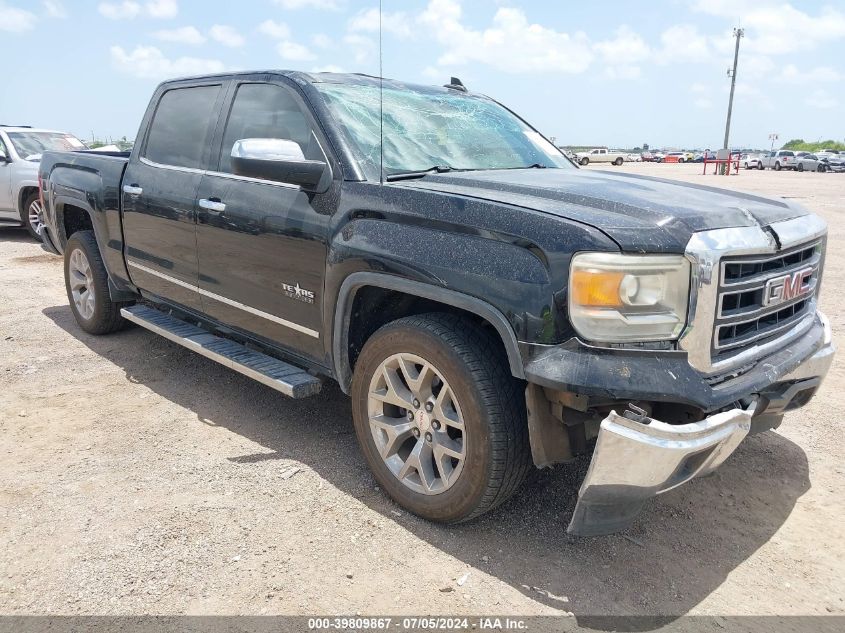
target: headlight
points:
(618, 298)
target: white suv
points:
(20, 153)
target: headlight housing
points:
(617, 298)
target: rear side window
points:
(787, 153)
(182, 126)
(267, 111)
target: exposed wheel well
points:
(368, 301)
(75, 219)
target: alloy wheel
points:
(416, 424)
(34, 216)
(81, 284)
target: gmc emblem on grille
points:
(787, 287)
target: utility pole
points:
(738, 34)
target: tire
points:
(777, 167)
(820, 169)
(496, 455)
(584, 161)
(680, 160)
(760, 166)
(800, 167)
(95, 312)
(29, 218)
(618, 162)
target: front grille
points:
(761, 298)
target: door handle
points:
(133, 190)
(212, 204)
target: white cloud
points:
(367, 20)
(183, 35)
(510, 44)
(148, 62)
(129, 9)
(703, 102)
(54, 9)
(294, 52)
(278, 30)
(821, 99)
(15, 20)
(125, 10)
(775, 27)
(308, 4)
(226, 35)
(162, 8)
(623, 71)
(820, 74)
(623, 53)
(683, 43)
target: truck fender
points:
(343, 311)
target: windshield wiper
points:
(408, 175)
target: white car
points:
(810, 162)
(20, 154)
(600, 155)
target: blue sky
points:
(613, 72)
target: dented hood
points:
(640, 213)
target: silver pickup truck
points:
(20, 152)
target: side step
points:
(290, 380)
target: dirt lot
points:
(137, 477)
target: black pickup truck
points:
(488, 305)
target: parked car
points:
(810, 162)
(600, 155)
(834, 162)
(20, 151)
(675, 157)
(777, 160)
(633, 158)
(658, 156)
(483, 319)
(750, 161)
(647, 157)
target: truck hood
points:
(639, 213)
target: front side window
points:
(267, 111)
(436, 127)
(30, 145)
(182, 126)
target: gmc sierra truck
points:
(488, 306)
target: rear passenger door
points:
(262, 244)
(160, 189)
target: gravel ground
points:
(137, 477)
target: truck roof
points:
(360, 79)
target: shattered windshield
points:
(30, 145)
(444, 129)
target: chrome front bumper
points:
(637, 458)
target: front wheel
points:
(439, 418)
(800, 167)
(86, 282)
(760, 166)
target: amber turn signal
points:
(596, 288)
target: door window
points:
(182, 126)
(267, 111)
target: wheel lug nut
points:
(429, 406)
(411, 416)
(428, 437)
(435, 425)
(416, 403)
(416, 432)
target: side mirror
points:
(279, 160)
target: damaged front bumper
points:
(637, 457)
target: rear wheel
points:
(760, 166)
(618, 162)
(777, 167)
(31, 215)
(439, 418)
(585, 161)
(86, 282)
